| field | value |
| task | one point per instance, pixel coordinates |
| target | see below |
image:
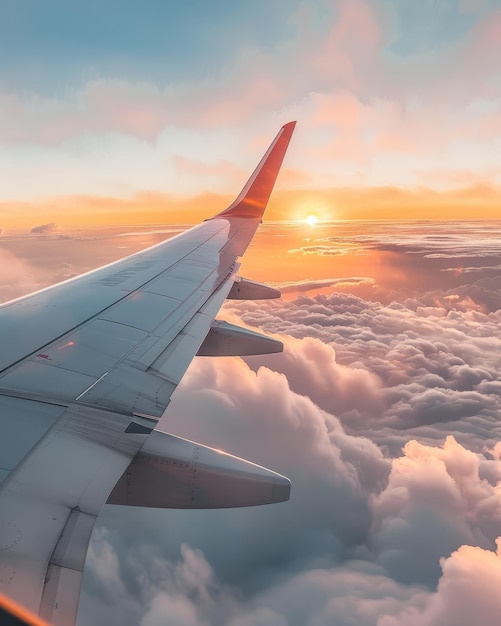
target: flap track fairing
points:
(224, 339)
(245, 289)
(171, 472)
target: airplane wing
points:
(88, 366)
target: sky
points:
(120, 123)
(157, 112)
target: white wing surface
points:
(88, 366)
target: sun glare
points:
(311, 220)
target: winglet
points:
(252, 200)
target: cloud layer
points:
(384, 413)
(383, 410)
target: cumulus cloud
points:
(186, 590)
(434, 363)
(435, 501)
(423, 504)
(311, 369)
(466, 592)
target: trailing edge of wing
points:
(252, 200)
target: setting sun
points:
(311, 220)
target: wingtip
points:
(252, 200)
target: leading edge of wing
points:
(252, 200)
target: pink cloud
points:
(311, 369)
(441, 484)
(338, 56)
(207, 169)
(258, 92)
(467, 592)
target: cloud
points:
(45, 228)
(434, 358)
(423, 505)
(311, 369)
(432, 240)
(26, 265)
(384, 407)
(18, 276)
(466, 592)
(324, 283)
(187, 591)
(383, 410)
(319, 250)
(435, 501)
(441, 485)
(255, 415)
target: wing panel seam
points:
(98, 313)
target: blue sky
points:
(55, 45)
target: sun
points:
(311, 220)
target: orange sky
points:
(345, 256)
(474, 202)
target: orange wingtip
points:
(252, 200)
